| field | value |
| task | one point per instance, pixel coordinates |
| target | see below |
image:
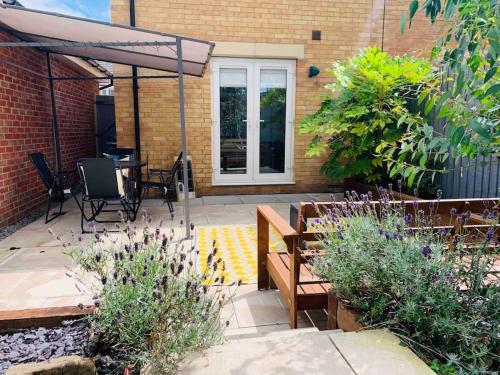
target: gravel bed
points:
(41, 344)
(9, 229)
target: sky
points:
(94, 9)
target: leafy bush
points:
(154, 306)
(435, 298)
(467, 50)
(372, 106)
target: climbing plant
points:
(368, 112)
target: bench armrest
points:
(280, 224)
(267, 216)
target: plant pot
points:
(342, 317)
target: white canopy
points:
(85, 38)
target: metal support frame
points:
(68, 43)
(180, 70)
(111, 78)
(135, 94)
(55, 125)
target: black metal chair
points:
(163, 180)
(102, 186)
(57, 184)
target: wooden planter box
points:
(342, 317)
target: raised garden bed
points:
(33, 345)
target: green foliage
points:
(442, 368)
(153, 305)
(470, 100)
(368, 112)
(435, 299)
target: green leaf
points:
(445, 111)
(402, 23)
(457, 136)
(450, 9)
(477, 128)
(423, 160)
(413, 9)
(411, 178)
(490, 74)
(429, 105)
(422, 96)
(492, 90)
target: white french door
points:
(252, 109)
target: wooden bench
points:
(290, 271)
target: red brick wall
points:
(26, 125)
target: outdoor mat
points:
(237, 247)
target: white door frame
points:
(252, 175)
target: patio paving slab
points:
(5, 253)
(255, 308)
(290, 354)
(37, 258)
(43, 288)
(222, 199)
(269, 198)
(378, 352)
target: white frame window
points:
(253, 69)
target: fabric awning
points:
(119, 44)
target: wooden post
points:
(292, 245)
(332, 311)
(262, 251)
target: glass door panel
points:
(272, 127)
(252, 111)
(233, 120)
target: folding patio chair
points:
(163, 180)
(102, 186)
(57, 184)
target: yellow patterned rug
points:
(237, 246)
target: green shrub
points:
(153, 305)
(373, 104)
(408, 281)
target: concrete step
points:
(281, 330)
(305, 351)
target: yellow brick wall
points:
(346, 27)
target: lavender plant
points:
(429, 285)
(153, 305)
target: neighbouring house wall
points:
(26, 125)
(346, 27)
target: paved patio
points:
(35, 272)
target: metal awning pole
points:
(55, 126)
(180, 70)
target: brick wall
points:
(346, 27)
(26, 125)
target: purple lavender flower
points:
(489, 234)
(329, 263)
(453, 211)
(425, 250)
(340, 235)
